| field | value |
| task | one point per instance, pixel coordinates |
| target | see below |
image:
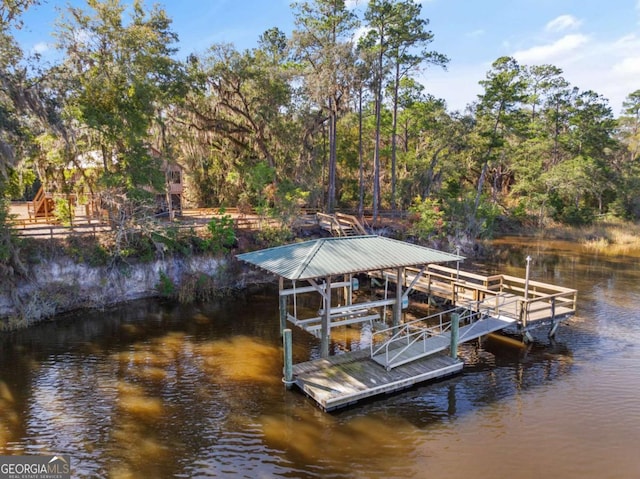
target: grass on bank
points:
(613, 238)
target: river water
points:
(153, 389)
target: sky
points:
(595, 43)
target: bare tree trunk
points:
(331, 194)
(376, 163)
(394, 126)
(360, 157)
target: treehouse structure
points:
(169, 201)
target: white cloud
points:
(562, 23)
(40, 48)
(608, 67)
(627, 66)
(552, 51)
(360, 32)
(352, 4)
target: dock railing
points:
(394, 341)
(510, 296)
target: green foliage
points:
(270, 236)
(222, 233)
(139, 247)
(279, 126)
(429, 220)
(165, 287)
(487, 214)
(63, 211)
(288, 201)
(87, 250)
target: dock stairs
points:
(399, 345)
(340, 224)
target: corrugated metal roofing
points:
(334, 256)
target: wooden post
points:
(455, 323)
(326, 318)
(397, 307)
(283, 306)
(287, 343)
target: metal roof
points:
(334, 256)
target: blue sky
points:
(595, 43)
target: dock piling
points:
(287, 343)
(455, 328)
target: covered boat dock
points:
(400, 354)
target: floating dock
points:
(342, 380)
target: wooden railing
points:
(81, 226)
(505, 295)
(340, 224)
(42, 201)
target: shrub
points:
(428, 218)
(270, 236)
(222, 234)
(165, 287)
(63, 211)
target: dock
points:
(530, 304)
(342, 380)
(401, 353)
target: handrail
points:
(403, 332)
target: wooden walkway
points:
(529, 303)
(342, 380)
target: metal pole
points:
(526, 279)
(325, 320)
(397, 307)
(287, 343)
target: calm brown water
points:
(158, 390)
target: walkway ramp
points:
(410, 343)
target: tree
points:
(379, 18)
(408, 39)
(497, 114)
(121, 76)
(629, 123)
(22, 111)
(323, 44)
(240, 115)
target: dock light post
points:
(458, 263)
(526, 279)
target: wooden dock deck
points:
(342, 380)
